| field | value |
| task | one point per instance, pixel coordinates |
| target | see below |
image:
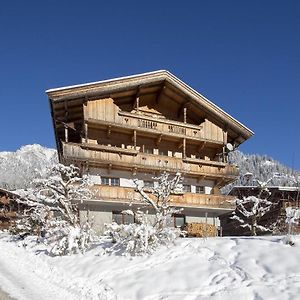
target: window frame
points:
(189, 188)
(175, 216)
(114, 180)
(110, 181)
(123, 217)
(201, 189)
(105, 180)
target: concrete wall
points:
(101, 213)
(99, 218)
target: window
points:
(115, 181)
(200, 189)
(117, 217)
(110, 181)
(179, 220)
(120, 218)
(186, 188)
(105, 180)
(148, 184)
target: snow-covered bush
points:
(144, 237)
(53, 211)
(66, 239)
(133, 239)
(139, 239)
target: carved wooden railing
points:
(98, 156)
(124, 194)
(207, 132)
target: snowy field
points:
(215, 268)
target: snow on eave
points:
(104, 81)
(10, 193)
(288, 188)
(185, 88)
(278, 187)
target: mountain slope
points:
(262, 168)
(18, 169)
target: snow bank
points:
(215, 268)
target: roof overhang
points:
(107, 88)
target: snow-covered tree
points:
(144, 236)
(160, 200)
(250, 210)
(53, 210)
(292, 220)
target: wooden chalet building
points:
(139, 126)
(9, 208)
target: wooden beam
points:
(108, 133)
(134, 171)
(201, 146)
(220, 182)
(66, 110)
(86, 132)
(136, 103)
(134, 139)
(183, 105)
(158, 140)
(66, 134)
(159, 95)
(69, 125)
(184, 148)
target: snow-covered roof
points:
(10, 193)
(273, 187)
(104, 81)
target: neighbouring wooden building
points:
(139, 126)
(9, 208)
(281, 197)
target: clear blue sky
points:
(242, 55)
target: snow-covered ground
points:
(215, 268)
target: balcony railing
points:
(137, 160)
(207, 132)
(124, 194)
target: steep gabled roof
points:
(112, 86)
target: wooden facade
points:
(142, 125)
(9, 208)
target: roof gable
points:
(162, 82)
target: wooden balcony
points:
(98, 156)
(206, 132)
(129, 195)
